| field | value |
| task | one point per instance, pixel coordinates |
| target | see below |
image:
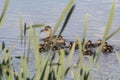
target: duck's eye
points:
(46, 29)
(59, 39)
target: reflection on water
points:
(44, 11)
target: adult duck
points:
(48, 30)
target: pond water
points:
(46, 11)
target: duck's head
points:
(71, 44)
(60, 39)
(88, 42)
(46, 29)
(85, 50)
(99, 42)
(41, 45)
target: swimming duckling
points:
(89, 44)
(66, 50)
(87, 52)
(107, 48)
(60, 43)
(98, 43)
(76, 45)
(41, 47)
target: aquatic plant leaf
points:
(99, 69)
(36, 26)
(60, 68)
(52, 75)
(25, 67)
(45, 71)
(24, 74)
(71, 53)
(113, 33)
(29, 42)
(80, 60)
(117, 56)
(3, 45)
(110, 20)
(107, 29)
(4, 11)
(21, 73)
(85, 29)
(46, 74)
(67, 70)
(36, 51)
(62, 16)
(21, 30)
(25, 25)
(67, 19)
(86, 76)
(25, 29)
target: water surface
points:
(45, 11)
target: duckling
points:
(60, 42)
(98, 43)
(76, 45)
(41, 47)
(87, 52)
(107, 48)
(89, 44)
(66, 50)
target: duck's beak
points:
(42, 30)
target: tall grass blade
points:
(80, 60)
(107, 29)
(4, 11)
(52, 75)
(21, 69)
(25, 29)
(43, 69)
(21, 30)
(113, 33)
(110, 20)
(90, 63)
(46, 73)
(24, 37)
(67, 19)
(100, 71)
(118, 56)
(60, 68)
(29, 42)
(36, 26)
(70, 59)
(85, 28)
(71, 53)
(3, 45)
(62, 16)
(25, 69)
(36, 52)
(66, 12)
